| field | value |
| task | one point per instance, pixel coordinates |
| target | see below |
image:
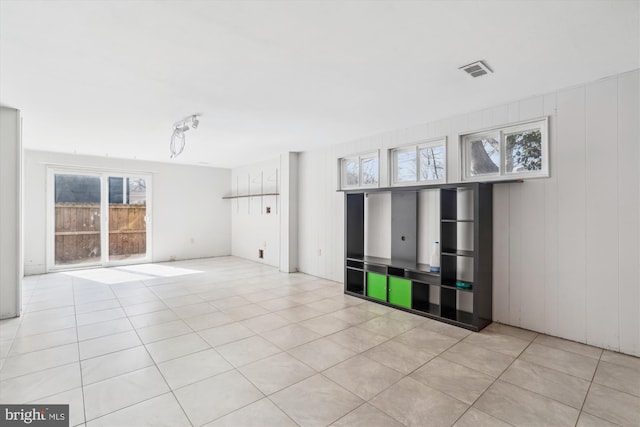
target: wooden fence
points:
(77, 232)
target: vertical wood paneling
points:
(549, 234)
(418, 133)
(487, 117)
(513, 111)
(571, 215)
(551, 224)
(515, 253)
(475, 121)
(527, 259)
(441, 128)
(460, 124)
(602, 213)
(500, 115)
(532, 254)
(501, 253)
(531, 108)
(629, 211)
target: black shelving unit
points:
(402, 282)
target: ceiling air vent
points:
(476, 69)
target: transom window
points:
(506, 153)
(360, 171)
(420, 164)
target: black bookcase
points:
(401, 281)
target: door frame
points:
(104, 175)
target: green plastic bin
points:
(400, 292)
(377, 286)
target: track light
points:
(178, 138)
(177, 143)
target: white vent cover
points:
(476, 69)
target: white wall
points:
(566, 248)
(189, 217)
(10, 213)
(252, 227)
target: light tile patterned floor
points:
(228, 342)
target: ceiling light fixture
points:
(179, 128)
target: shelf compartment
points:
(354, 219)
(455, 288)
(421, 298)
(355, 264)
(457, 220)
(458, 316)
(428, 278)
(448, 204)
(427, 308)
(395, 271)
(375, 268)
(355, 281)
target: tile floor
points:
(228, 342)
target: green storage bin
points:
(377, 286)
(400, 292)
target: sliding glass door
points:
(127, 218)
(77, 219)
(97, 219)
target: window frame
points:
(416, 148)
(501, 132)
(360, 158)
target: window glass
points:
(405, 165)
(432, 163)
(115, 190)
(369, 167)
(516, 150)
(360, 171)
(77, 189)
(351, 172)
(137, 191)
(484, 156)
(524, 151)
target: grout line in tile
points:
(589, 388)
(565, 350)
(491, 385)
(84, 402)
(157, 368)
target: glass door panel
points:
(127, 218)
(77, 228)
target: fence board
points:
(77, 231)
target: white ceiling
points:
(111, 77)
